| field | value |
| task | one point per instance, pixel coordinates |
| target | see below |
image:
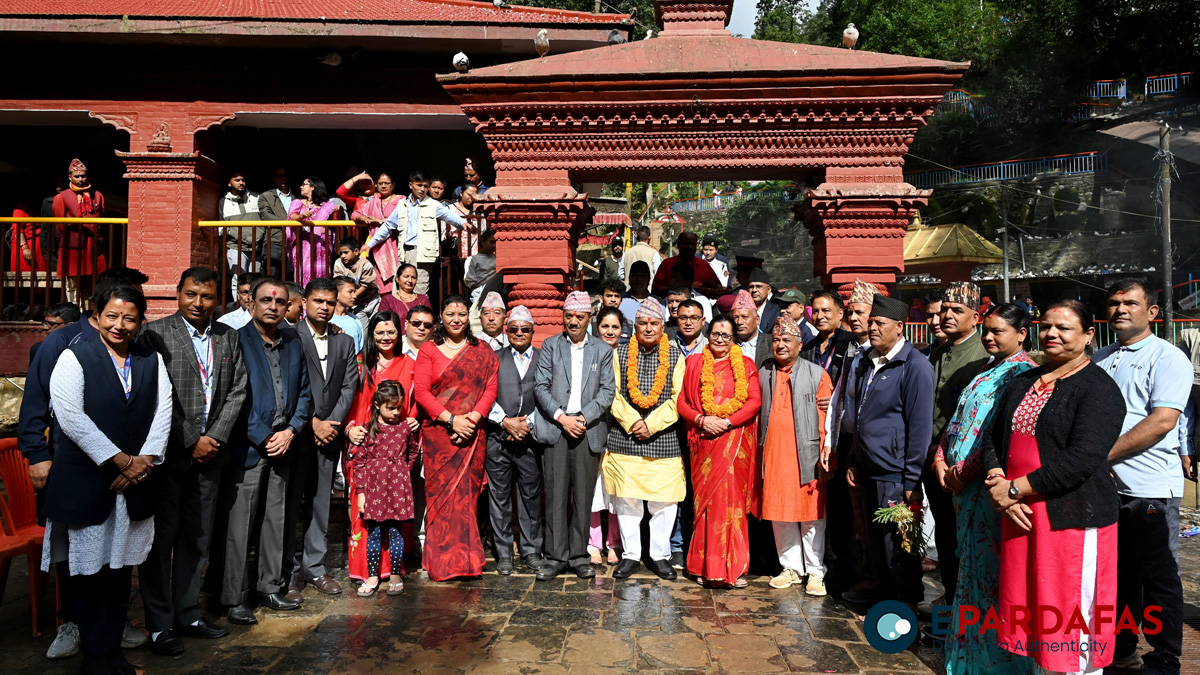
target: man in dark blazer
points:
(575, 386)
(894, 387)
(209, 381)
(333, 377)
(760, 289)
(513, 457)
(273, 204)
(754, 342)
(279, 406)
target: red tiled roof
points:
(385, 11)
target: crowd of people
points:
(204, 448)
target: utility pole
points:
(1004, 221)
(1164, 182)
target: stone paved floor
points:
(516, 625)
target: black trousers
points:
(509, 466)
(1148, 574)
(898, 572)
(570, 468)
(310, 492)
(100, 601)
(184, 509)
(945, 534)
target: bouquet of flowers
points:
(907, 518)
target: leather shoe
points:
(277, 601)
(166, 644)
(626, 568)
(532, 562)
(663, 569)
(548, 572)
(202, 629)
(504, 566)
(585, 571)
(294, 592)
(325, 584)
(242, 615)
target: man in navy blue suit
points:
(278, 406)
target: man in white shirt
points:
(512, 453)
(718, 262)
(241, 316)
(642, 251)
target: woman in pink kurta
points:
(309, 246)
(373, 213)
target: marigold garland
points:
(647, 401)
(741, 390)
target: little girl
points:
(382, 464)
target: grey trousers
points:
(309, 493)
(258, 514)
(184, 507)
(512, 465)
(570, 476)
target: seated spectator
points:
(351, 264)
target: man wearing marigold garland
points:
(794, 467)
(644, 464)
(720, 403)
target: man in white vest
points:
(420, 241)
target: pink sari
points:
(387, 254)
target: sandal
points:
(594, 556)
(613, 557)
(365, 592)
(741, 582)
(394, 588)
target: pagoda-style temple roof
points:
(949, 243)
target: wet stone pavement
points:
(512, 624)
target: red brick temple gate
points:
(695, 103)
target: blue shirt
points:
(1151, 373)
(350, 326)
(202, 345)
(285, 199)
(392, 224)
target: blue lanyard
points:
(123, 372)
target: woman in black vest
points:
(112, 406)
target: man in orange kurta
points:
(791, 434)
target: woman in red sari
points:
(383, 359)
(719, 403)
(455, 387)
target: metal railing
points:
(963, 102)
(1107, 89)
(918, 332)
(1166, 84)
(726, 200)
(1082, 163)
(48, 261)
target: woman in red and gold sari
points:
(383, 359)
(719, 403)
(455, 387)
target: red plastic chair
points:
(20, 522)
(12, 546)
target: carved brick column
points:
(168, 193)
(536, 234)
(858, 219)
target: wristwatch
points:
(1013, 491)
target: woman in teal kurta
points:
(959, 468)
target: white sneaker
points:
(815, 585)
(66, 643)
(132, 638)
(785, 579)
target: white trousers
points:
(801, 546)
(662, 523)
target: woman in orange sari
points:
(720, 402)
(455, 387)
(383, 359)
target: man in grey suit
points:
(273, 205)
(513, 457)
(574, 388)
(209, 382)
(333, 378)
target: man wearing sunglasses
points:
(512, 454)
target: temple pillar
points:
(168, 193)
(858, 218)
(537, 229)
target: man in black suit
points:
(513, 457)
(760, 289)
(333, 377)
(209, 381)
(278, 408)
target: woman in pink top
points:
(309, 246)
(372, 213)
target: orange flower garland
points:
(741, 390)
(647, 401)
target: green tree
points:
(781, 20)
